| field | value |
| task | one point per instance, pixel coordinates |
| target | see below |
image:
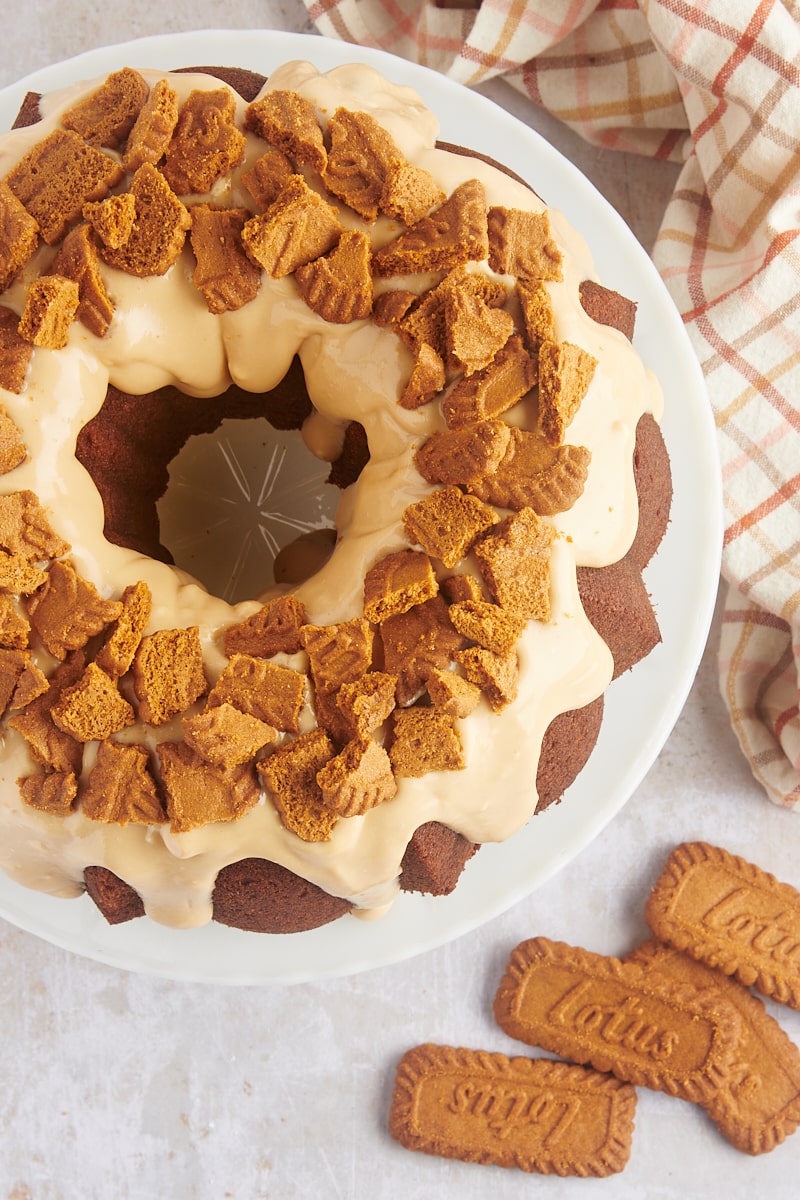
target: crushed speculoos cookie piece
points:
(463, 456)
(297, 227)
(488, 393)
(476, 332)
(19, 236)
(48, 744)
(14, 627)
(423, 323)
(92, 709)
(273, 629)
(565, 372)
(290, 773)
(514, 561)
(68, 610)
(339, 653)
(452, 693)
(447, 523)
(112, 219)
(534, 474)
(226, 736)
(389, 308)
(497, 675)
(15, 352)
(487, 624)
(453, 234)
(416, 642)
(198, 792)
(51, 304)
(273, 694)
(205, 144)
(366, 703)
(360, 156)
(152, 132)
(338, 286)
(168, 673)
(25, 529)
(116, 654)
(19, 575)
(289, 122)
(426, 380)
(409, 193)
(396, 583)
(12, 665)
(57, 177)
(428, 318)
(461, 587)
(159, 231)
(77, 259)
(31, 684)
(107, 116)
(120, 788)
(357, 779)
(537, 312)
(425, 740)
(329, 717)
(521, 244)
(52, 792)
(267, 176)
(225, 276)
(12, 447)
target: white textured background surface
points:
(115, 1086)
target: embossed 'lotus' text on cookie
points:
(541, 1116)
(732, 915)
(619, 1018)
(759, 1106)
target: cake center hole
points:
(226, 487)
(247, 506)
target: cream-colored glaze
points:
(162, 333)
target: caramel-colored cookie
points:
(56, 178)
(77, 260)
(289, 122)
(159, 231)
(297, 227)
(205, 144)
(120, 787)
(452, 234)
(732, 915)
(339, 287)
(224, 275)
(359, 160)
(759, 1106)
(107, 116)
(15, 352)
(618, 1017)
(19, 236)
(541, 1116)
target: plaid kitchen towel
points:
(714, 85)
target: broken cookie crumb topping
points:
(136, 181)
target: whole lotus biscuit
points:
(541, 1116)
(759, 1106)
(731, 914)
(618, 1017)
